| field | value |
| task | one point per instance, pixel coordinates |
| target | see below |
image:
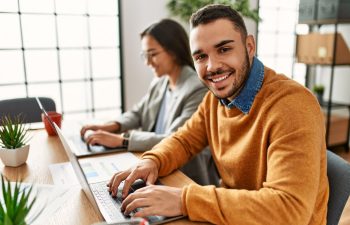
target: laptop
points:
(96, 189)
(80, 147)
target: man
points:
(266, 133)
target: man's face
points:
(222, 59)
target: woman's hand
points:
(109, 127)
(104, 138)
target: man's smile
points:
(219, 76)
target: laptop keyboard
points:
(78, 143)
(111, 205)
(81, 146)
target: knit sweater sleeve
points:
(175, 150)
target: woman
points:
(170, 101)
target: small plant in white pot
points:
(14, 147)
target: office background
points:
(85, 54)
(73, 56)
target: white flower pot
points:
(14, 157)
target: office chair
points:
(27, 107)
(338, 172)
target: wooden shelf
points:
(325, 22)
(338, 130)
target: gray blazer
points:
(188, 93)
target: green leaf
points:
(185, 8)
(7, 220)
(16, 203)
(13, 132)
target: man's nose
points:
(213, 64)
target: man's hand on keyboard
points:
(146, 170)
(154, 200)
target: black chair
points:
(27, 107)
(338, 172)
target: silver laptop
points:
(80, 147)
(97, 192)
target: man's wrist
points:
(152, 160)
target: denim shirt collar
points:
(245, 98)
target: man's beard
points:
(235, 89)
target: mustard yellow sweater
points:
(272, 161)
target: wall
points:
(136, 16)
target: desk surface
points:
(45, 150)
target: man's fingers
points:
(110, 182)
(128, 182)
(145, 211)
(137, 202)
(115, 182)
(151, 179)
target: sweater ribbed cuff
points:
(183, 201)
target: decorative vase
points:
(320, 98)
(14, 157)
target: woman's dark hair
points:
(214, 12)
(173, 38)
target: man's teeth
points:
(220, 78)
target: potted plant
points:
(185, 8)
(14, 147)
(15, 203)
(319, 90)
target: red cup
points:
(56, 118)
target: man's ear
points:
(250, 45)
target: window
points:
(68, 50)
(277, 36)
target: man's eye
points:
(222, 50)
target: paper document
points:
(97, 169)
(63, 174)
(51, 198)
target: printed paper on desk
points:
(97, 169)
(52, 198)
(63, 174)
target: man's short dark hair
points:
(213, 12)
